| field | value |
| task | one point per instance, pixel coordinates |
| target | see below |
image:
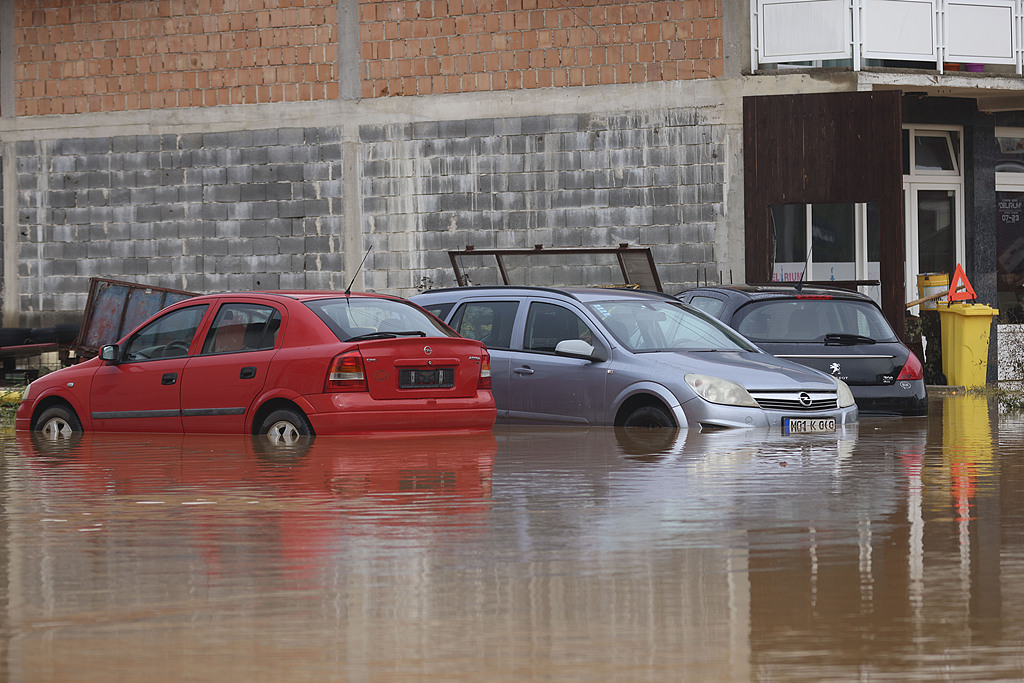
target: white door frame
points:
(916, 180)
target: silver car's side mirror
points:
(577, 348)
(109, 353)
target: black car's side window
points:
(709, 305)
(489, 322)
(169, 336)
(547, 324)
(242, 327)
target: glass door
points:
(934, 239)
(933, 203)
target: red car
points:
(283, 364)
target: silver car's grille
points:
(803, 401)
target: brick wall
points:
(421, 47)
(106, 55)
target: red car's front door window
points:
(142, 392)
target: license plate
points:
(796, 425)
(426, 378)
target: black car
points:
(840, 332)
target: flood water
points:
(890, 551)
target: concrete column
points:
(8, 218)
(8, 238)
(349, 85)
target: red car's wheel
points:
(58, 422)
(285, 426)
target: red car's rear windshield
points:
(810, 320)
(353, 317)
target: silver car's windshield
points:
(646, 326)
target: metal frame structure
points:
(622, 254)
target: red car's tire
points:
(285, 426)
(58, 422)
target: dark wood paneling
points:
(820, 149)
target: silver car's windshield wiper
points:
(387, 335)
(843, 338)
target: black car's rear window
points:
(809, 320)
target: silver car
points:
(631, 358)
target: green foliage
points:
(7, 415)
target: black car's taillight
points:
(347, 373)
(911, 369)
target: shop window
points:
(1010, 224)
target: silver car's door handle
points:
(523, 371)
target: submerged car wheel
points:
(58, 422)
(285, 426)
(648, 416)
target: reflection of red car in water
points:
(227, 491)
(282, 364)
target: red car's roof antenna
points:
(348, 290)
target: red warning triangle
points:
(960, 279)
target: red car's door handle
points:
(169, 378)
(247, 373)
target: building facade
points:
(211, 145)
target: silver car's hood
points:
(755, 371)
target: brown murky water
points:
(891, 551)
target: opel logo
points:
(427, 350)
(805, 399)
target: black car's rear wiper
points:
(843, 338)
(387, 335)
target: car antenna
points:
(800, 282)
(348, 290)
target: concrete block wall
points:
(206, 212)
(266, 208)
(579, 180)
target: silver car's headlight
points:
(843, 394)
(718, 390)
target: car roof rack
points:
(635, 263)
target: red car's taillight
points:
(347, 373)
(485, 372)
(911, 369)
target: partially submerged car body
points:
(285, 364)
(836, 331)
(625, 357)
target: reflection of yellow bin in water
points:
(929, 284)
(965, 334)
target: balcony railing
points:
(929, 31)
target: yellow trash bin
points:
(965, 335)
